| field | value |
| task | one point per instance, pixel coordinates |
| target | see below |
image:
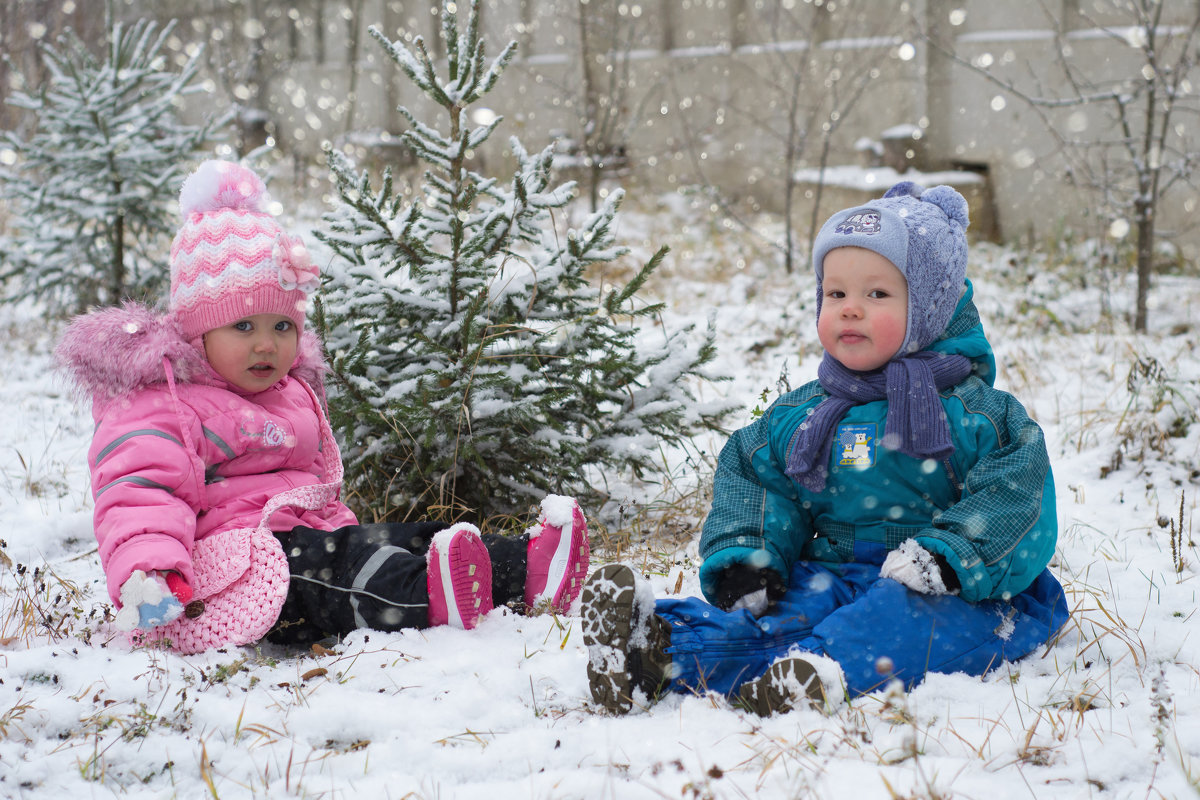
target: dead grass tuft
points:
(40, 605)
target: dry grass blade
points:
(41, 604)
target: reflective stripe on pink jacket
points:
(179, 454)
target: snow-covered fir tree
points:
(92, 189)
(476, 366)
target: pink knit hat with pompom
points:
(230, 259)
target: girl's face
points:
(253, 353)
(864, 308)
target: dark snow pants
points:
(373, 576)
(860, 621)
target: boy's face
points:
(864, 308)
(253, 353)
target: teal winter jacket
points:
(989, 508)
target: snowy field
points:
(503, 711)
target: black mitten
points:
(741, 580)
(949, 576)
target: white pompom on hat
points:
(230, 258)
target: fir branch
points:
(615, 301)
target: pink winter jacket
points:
(179, 455)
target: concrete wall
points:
(714, 91)
(1036, 179)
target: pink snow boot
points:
(558, 556)
(459, 577)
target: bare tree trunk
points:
(118, 262)
(791, 154)
(814, 224)
(1145, 261)
(590, 105)
(352, 46)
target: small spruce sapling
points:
(475, 366)
(92, 189)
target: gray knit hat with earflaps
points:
(922, 232)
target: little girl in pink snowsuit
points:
(216, 476)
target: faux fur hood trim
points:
(113, 352)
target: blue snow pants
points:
(857, 618)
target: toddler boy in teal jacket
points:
(892, 518)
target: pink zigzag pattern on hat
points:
(234, 276)
(212, 256)
(213, 227)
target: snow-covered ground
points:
(503, 711)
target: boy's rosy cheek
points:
(896, 328)
(823, 329)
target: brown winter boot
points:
(626, 640)
(786, 684)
